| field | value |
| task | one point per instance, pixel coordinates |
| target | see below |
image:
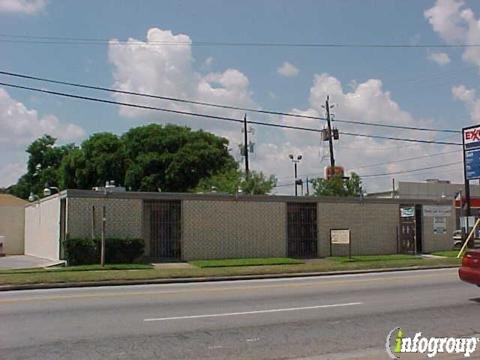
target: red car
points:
(470, 269)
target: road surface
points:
(337, 317)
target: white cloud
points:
(440, 58)
(169, 71)
(366, 102)
(28, 7)
(288, 70)
(470, 99)
(456, 24)
(10, 173)
(20, 125)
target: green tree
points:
(42, 167)
(338, 186)
(172, 158)
(233, 180)
(100, 158)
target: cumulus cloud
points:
(287, 70)
(367, 102)
(20, 125)
(456, 24)
(169, 70)
(440, 58)
(470, 99)
(10, 173)
(28, 7)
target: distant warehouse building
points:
(206, 226)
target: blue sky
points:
(413, 89)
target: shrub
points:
(117, 251)
(80, 251)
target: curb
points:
(213, 278)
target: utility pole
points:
(330, 133)
(102, 248)
(308, 190)
(245, 145)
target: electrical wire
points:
(146, 107)
(411, 170)
(131, 42)
(202, 103)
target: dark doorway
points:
(163, 220)
(418, 229)
(302, 230)
(407, 229)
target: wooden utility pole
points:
(330, 134)
(102, 249)
(245, 145)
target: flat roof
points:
(73, 193)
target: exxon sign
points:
(471, 138)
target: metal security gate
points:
(302, 230)
(164, 219)
(410, 235)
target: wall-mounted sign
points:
(407, 211)
(437, 210)
(439, 225)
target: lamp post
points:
(295, 161)
(47, 191)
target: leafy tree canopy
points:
(42, 168)
(233, 180)
(146, 158)
(338, 186)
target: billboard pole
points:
(467, 182)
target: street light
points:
(32, 197)
(295, 161)
(48, 190)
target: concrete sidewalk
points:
(25, 262)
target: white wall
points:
(42, 229)
(12, 228)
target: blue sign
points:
(472, 164)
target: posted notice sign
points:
(340, 236)
(471, 148)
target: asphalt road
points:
(338, 317)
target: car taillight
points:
(471, 259)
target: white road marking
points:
(253, 339)
(215, 347)
(253, 312)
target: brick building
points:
(206, 226)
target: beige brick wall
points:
(12, 227)
(233, 229)
(124, 217)
(373, 227)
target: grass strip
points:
(321, 265)
(244, 262)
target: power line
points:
(406, 159)
(57, 40)
(202, 103)
(411, 170)
(394, 173)
(146, 107)
(386, 162)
